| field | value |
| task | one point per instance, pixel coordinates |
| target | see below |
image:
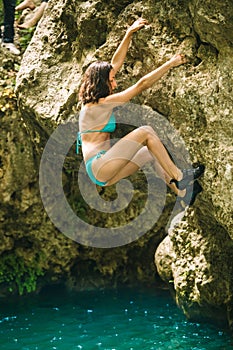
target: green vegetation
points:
(25, 38)
(19, 274)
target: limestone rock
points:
(197, 258)
(195, 98)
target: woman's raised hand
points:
(178, 59)
(138, 24)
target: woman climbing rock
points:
(107, 164)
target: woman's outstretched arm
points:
(147, 80)
(119, 55)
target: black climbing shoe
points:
(189, 175)
(191, 193)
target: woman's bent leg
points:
(125, 149)
(142, 157)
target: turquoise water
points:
(103, 320)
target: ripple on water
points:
(126, 319)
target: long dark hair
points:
(95, 82)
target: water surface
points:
(106, 320)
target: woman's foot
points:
(26, 25)
(25, 4)
(191, 193)
(189, 175)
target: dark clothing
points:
(9, 18)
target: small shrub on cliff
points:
(18, 274)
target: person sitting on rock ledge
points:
(106, 164)
(36, 17)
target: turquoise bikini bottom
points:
(89, 169)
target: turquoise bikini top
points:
(109, 127)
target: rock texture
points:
(196, 257)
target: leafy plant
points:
(25, 37)
(18, 273)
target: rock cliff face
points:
(195, 258)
